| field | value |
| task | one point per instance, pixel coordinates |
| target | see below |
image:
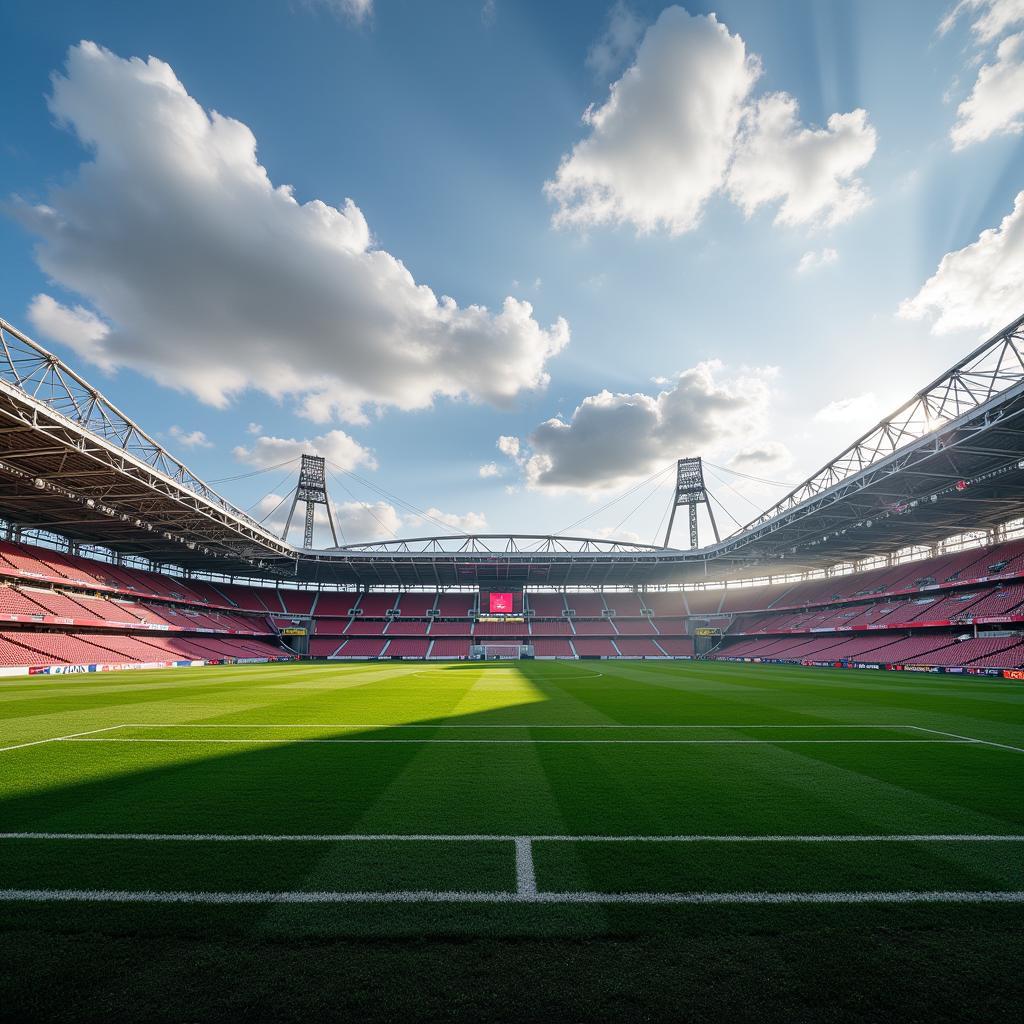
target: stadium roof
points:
(950, 459)
(73, 463)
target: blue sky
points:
(663, 260)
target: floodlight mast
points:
(311, 489)
(691, 492)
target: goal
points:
(497, 652)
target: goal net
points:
(494, 652)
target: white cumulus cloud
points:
(679, 126)
(75, 326)
(619, 41)
(357, 11)
(996, 103)
(489, 470)
(615, 533)
(359, 521)
(355, 521)
(509, 445)
(466, 522)
(856, 409)
(812, 259)
(993, 17)
(811, 170)
(203, 274)
(979, 287)
(342, 451)
(659, 146)
(612, 439)
(190, 438)
(762, 456)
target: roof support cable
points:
(614, 501)
(255, 472)
(369, 508)
(636, 508)
(664, 516)
(416, 511)
(276, 485)
(748, 476)
(739, 494)
(270, 514)
(725, 510)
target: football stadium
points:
(517, 735)
(279, 744)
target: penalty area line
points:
(60, 739)
(520, 896)
(972, 739)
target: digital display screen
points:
(500, 604)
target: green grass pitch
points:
(584, 841)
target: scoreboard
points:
(501, 603)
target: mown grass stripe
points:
(429, 896)
(269, 837)
(476, 742)
(506, 725)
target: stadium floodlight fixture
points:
(39, 484)
(90, 502)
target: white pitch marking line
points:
(215, 837)
(972, 739)
(526, 876)
(60, 739)
(431, 896)
(507, 668)
(353, 740)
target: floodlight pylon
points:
(311, 489)
(691, 492)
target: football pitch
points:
(595, 840)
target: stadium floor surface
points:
(605, 840)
